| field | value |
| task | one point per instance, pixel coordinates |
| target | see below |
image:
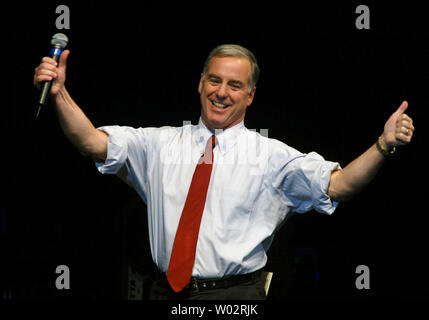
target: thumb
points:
(402, 108)
(63, 59)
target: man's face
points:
(224, 92)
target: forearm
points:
(344, 184)
(78, 128)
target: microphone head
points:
(59, 40)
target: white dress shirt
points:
(255, 182)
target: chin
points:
(213, 124)
(214, 121)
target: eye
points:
(236, 85)
(214, 80)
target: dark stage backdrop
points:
(325, 86)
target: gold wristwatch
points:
(385, 153)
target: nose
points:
(222, 93)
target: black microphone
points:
(59, 42)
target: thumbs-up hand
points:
(49, 69)
(398, 129)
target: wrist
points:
(383, 143)
(384, 148)
(61, 94)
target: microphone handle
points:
(46, 87)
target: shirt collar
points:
(226, 139)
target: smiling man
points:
(227, 88)
(212, 219)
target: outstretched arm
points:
(398, 131)
(74, 123)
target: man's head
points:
(227, 85)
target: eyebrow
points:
(233, 82)
(213, 76)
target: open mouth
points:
(219, 105)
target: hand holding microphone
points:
(50, 75)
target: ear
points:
(251, 96)
(200, 85)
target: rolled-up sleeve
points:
(117, 150)
(127, 156)
(318, 171)
(304, 181)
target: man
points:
(216, 192)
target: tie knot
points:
(212, 141)
(207, 157)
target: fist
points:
(49, 69)
(399, 128)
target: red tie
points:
(185, 243)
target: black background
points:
(325, 86)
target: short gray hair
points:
(235, 50)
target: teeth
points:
(217, 104)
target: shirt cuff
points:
(116, 151)
(319, 188)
